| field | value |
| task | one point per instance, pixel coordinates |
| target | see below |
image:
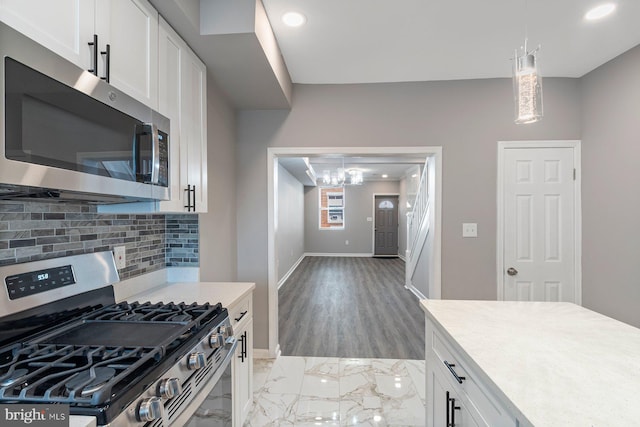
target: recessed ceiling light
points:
(294, 19)
(600, 12)
(384, 175)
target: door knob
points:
(512, 271)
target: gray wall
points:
(290, 228)
(611, 188)
(218, 225)
(466, 118)
(358, 201)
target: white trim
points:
(272, 156)
(415, 291)
(352, 255)
(402, 257)
(263, 353)
(272, 271)
(373, 225)
(577, 156)
(291, 270)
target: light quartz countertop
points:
(557, 364)
(228, 293)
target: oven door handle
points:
(227, 359)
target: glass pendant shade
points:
(527, 88)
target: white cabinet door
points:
(243, 396)
(182, 98)
(63, 26)
(130, 27)
(171, 51)
(193, 143)
(444, 405)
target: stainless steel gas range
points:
(64, 340)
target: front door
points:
(539, 217)
(386, 226)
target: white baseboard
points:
(291, 270)
(353, 255)
(416, 292)
(402, 257)
(263, 353)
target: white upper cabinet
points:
(130, 28)
(126, 30)
(194, 130)
(63, 26)
(182, 98)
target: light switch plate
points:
(120, 254)
(469, 229)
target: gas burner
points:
(180, 318)
(90, 381)
(15, 377)
(131, 317)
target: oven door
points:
(213, 407)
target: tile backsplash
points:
(31, 231)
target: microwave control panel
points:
(35, 282)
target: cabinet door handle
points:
(188, 205)
(94, 44)
(237, 319)
(107, 63)
(243, 346)
(450, 366)
(193, 188)
(448, 409)
(454, 408)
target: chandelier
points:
(341, 176)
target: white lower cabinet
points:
(241, 316)
(444, 406)
(456, 394)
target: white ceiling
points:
(365, 41)
(372, 167)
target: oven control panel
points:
(34, 282)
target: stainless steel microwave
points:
(66, 134)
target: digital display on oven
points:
(22, 285)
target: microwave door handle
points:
(155, 155)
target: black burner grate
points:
(70, 374)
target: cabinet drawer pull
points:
(450, 366)
(237, 319)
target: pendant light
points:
(527, 84)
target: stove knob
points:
(226, 331)
(196, 361)
(169, 388)
(150, 409)
(215, 341)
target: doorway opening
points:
(273, 157)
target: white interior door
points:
(539, 213)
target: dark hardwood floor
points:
(350, 307)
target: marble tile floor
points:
(297, 391)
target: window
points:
(331, 208)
